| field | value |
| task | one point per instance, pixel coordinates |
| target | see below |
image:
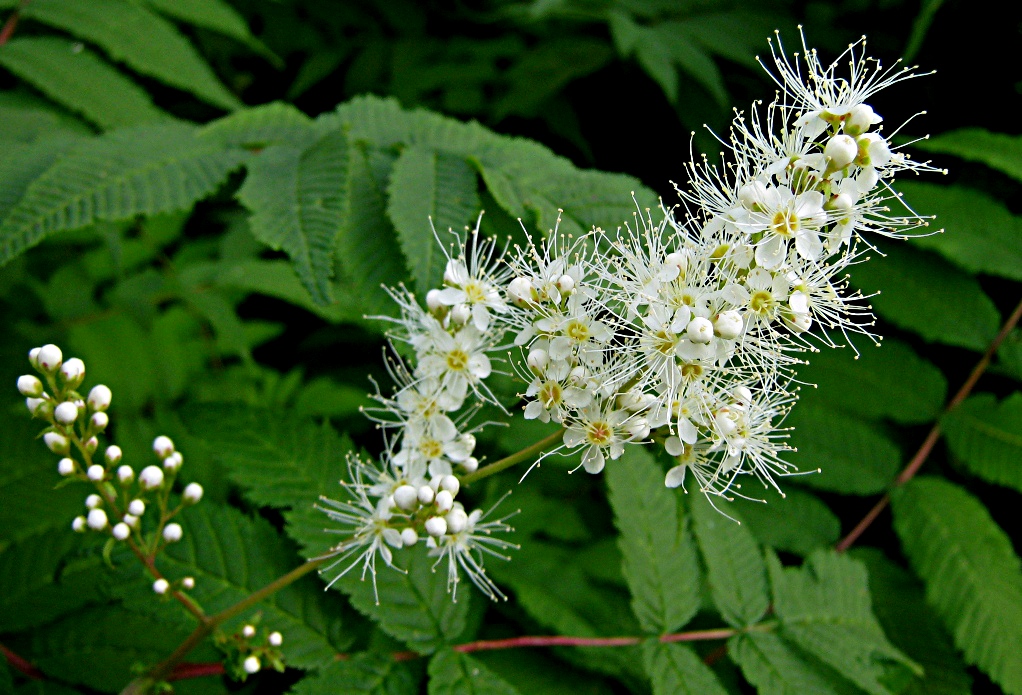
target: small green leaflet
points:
(797, 523)
(973, 576)
(454, 673)
(986, 436)
(659, 559)
(778, 667)
(734, 564)
(366, 673)
(998, 150)
(674, 669)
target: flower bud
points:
(444, 501)
(79, 524)
(409, 537)
(728, 324)
(30, 385)
(677, 260)
(136, 507)
(125, 474)
(700, 330)
(36, 406)
(248, 632)
(99, 421)
(96, 473)
(130, 519)
(433, 302)
(457, 520)
(470, 464)
(538, 359)
(97, 519)
(406, 497)
(638, 429)
(752, 193)
(275, 639)
(436, 526)
(73, 372)
(742, 395)
(860, 118)
(93, 501)
(33, 357)
(192, 493)
(188, 583)
(252, 664)
(172, 533)
(163, 446)
(91, 444)
(66, 466)
(451, 484)
(519, 291)
(426, 494)
(121, 531)
(461, 314)
(65, 413)
(99, 397)
(160, 586)
(725, 424)
(565, 284)
(57, 443)
(841, 150)
(113, 454)
(173, 463)
(49, 358)
(150, 478)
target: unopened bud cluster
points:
(682, 329)
(247, 655)
(76, 422)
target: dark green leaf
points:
(275, 123)
(1000, 151)
(796, 523)
(675, 669)
(367, 673)
(454, 673)
(777, 667)
(986, 436)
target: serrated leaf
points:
(454, 673)
(734, 564)
(973, 576)
(28, 118)
(998, 150)
(690, 56)
(912, 626)
(77, 78)
(777, 667)
(659, 558)
(854, 457)
(414, 605)
(825, 608)
(298, 203)
(980, 232)
(367, 673)
(136, 171)
(276, 123)
(215, 15)
(23, 164)
(892, 382)
(430, 186)
(797, 523)
(922, 293)
(539, 672)
(674, 669)
(144, 41)
(986, 436)
(44, 577)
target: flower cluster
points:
(121, 499)
(682, 329)
(246, 655)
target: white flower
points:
(601, 431)
(576, 333)
(457, 362)
(466, 548)
(474, 280)
(784, 216)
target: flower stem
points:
(514, 459)
(934, 436)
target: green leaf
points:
(777, 667)
(28, 118)
(997, 150)
(77, 78)
(454, 673)
(891, 382)
(144, 41)
(231, 555)
(119, 353)
(691, 57)
(973, 576)
(659, 559)
(298, 204)
(922, 293)
(825, 608)
(215, 15)
(797, 523)
(28, 475)
(414, 605)
(367, 673)
(734, 564)
(539, 672)
(675, 669)
(980, 232)
(44, 577)
(430, 190)
(986, 436)
(853, 456)
(276, 123)
(912, 626)
(137, 171)
(22, 164)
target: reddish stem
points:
(196, 670)
(931, 439)
(11, 24)
(21, 664)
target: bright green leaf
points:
(777, 667)
(986, 436)
(276, 123)
(998, 150)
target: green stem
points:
(514, 459)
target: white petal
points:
(771, 253)
(676, 476)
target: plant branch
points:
(514, 459)
(12, 23)
(21, 664)
(934, 436)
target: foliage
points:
(203, 199)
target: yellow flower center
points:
(475, 293)
(431, 448)
(550, 394)
(599, 432)
(762, 302)
(577, 331)
(784, 224)
(457, 360)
